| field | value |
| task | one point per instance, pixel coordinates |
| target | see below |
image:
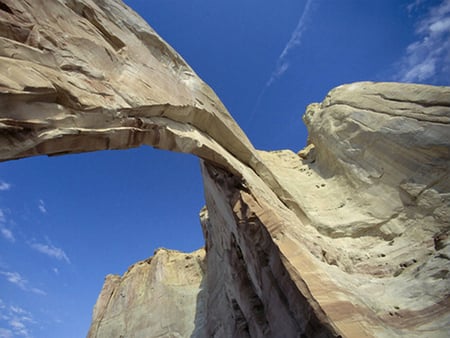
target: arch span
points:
(84, 75)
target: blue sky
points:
(66, 222)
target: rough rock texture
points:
(374, 184)
(347, 238)
(94, 68)
(163, 293)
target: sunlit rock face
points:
(159, 297)
(349, 237)
(374, 185)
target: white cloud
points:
(7, 234)
(38, 291)
(4, 186)
(19, 328)
(428, 58)
(51, 251)
(5, 333)
(414, 5)
(41, 207)
(17, 321)
(18, 310)
(4, 231)
(17, 279)
(282, 64)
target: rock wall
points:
(349, 237)
(163, 294)
(374, 185)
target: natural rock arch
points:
(70, 84)
(84, 76)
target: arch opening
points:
(68, 221)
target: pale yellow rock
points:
(349, 238)
(374, 187)
(159, 297)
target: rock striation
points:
(347, 238)
(374, 185)
(163, 294)
(94, 68)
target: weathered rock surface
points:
(347, 238)
(374, 185)
(95, 68)
(162, 294)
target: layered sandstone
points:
(95, 68)
(374, 184)
(162, 296)
(347, 238)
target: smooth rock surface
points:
(347, 238)
(374, 186)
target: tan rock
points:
(159, 297)
(373, 185)
(348, 238)
(95, 68)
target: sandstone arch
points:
(67, 73)
(85, 76)
(90, 75)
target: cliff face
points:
(369, 246)
(159, 297)
(349, 237)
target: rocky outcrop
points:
(347, 238)
(162, 296)
(374, 186)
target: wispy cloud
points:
(4, 231)
(282, 64)
(4, 186)
(6, 333)
(42, 207)
(428, 58)
(38, 291)
(19, 327)
(17, 320)
(7, 233)
(51, 251)
(17, 279)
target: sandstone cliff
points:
(162, 295)
(347, 238)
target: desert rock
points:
(157, 297)
(349, 237)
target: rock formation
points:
(349, 237)
(163, 294)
